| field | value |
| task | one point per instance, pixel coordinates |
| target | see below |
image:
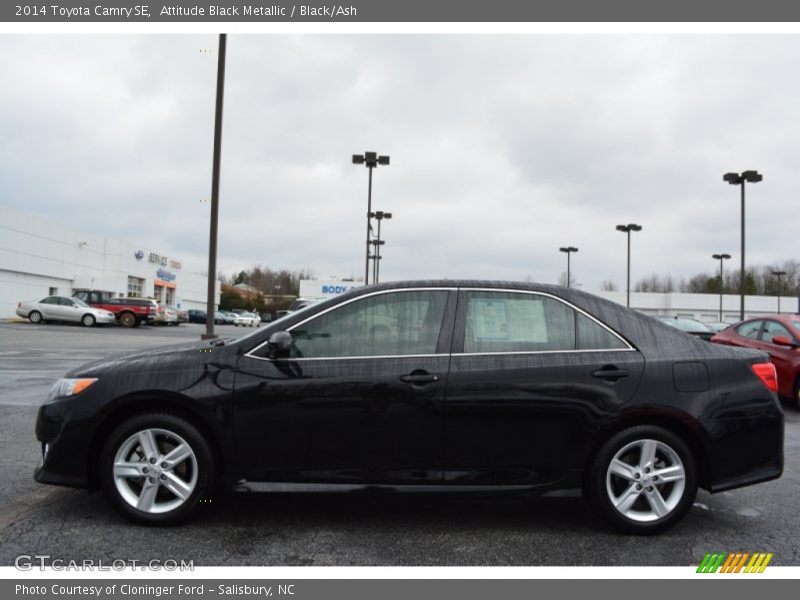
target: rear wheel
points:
(156, 468)
(35, 317)
(643, 480)
(88, 320)
(127, 319)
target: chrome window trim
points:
(628, 347)
(361, 297)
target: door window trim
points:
(628, 346)
(250, 354)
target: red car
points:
(779, 336)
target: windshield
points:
(689, 325)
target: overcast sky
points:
(503, 148)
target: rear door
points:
(358, 400)
(531, 377)
(50, 308)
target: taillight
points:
(767, 374)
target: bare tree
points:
(608, 286)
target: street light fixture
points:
(376, 256)
(740, 179)
(779, 274)
(627, 229)
(369, 160)
(720, 258)
(569, 250)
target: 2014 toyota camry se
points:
(444, 383)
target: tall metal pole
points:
(628, 299)
(741, 274)
(568, 277)
(377, 257)
(369, 211)
(212, 241)
(720, 289)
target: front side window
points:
(749, 329)
(392, 324)
(519, 322)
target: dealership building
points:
(41, 258)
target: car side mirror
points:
(783, 340)
(280, 344)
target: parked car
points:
(690, 326)
(778, 336)
(266, 317)
(300, 303)
(247, 319)
(421, 383)
(225, 317)
(61, 308)
(129, 312)
(164, 315)
(183, 315)
(197, 316)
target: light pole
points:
(212, 240)
(379, 215)
(720, 258)
(627, 229)
(740, 179)
(779, 274)
(369, 160)
(569, 250)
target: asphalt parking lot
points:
(361, 528)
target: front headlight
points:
(70, 387)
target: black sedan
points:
(449, 383)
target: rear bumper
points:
(744, 451)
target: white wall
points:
(703, 307)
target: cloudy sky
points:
(503, 148)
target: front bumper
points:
(65, 426)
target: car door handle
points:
(420, 378)
(610, 373)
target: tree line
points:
(758, 281)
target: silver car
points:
(61, 308)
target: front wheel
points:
(643, 480)
(156, 468)
(88, 320)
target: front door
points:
(530, 379)
(359, 399)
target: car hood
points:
(149, 359)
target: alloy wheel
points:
(645, 480)
(155, 471)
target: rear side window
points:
(517, 322)
(773, 328)
(749, 329)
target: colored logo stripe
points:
(735, 562)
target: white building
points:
(41, 258)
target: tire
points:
(194, 475)
(653, 507)
(88, 320)
(127, 319)
(35, 317)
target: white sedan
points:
(246, 319)
(61, 308)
